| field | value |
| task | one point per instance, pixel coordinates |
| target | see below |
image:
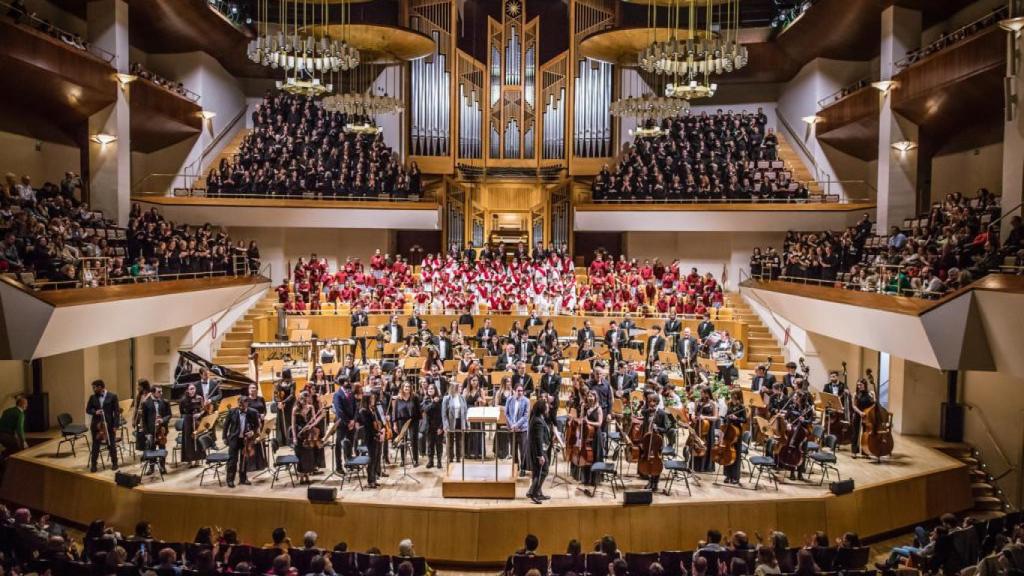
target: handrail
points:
(800, 143)
(213, 143)
(754, 296)
(38, 24)
(949, 40)
(1005, 214)
(190, 193)
(246, 294)
(991, 437)
(845, 91)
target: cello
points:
(840, 424)
(647, 444)
(725, 452)
(791, 454)
(877, 426)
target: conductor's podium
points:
(484, 476)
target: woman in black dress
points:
(305, 435)
(434, 429)
(405, 411)
(474, 397)
(319, 384)
(284, 397)
(501, 396)
(593, 418)
(191, 409)
(707, 410)
(862, 400)
(259, 460)
(373, 432)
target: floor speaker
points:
(635, 497)
(841, 487)
(322, 494)
(126, 480)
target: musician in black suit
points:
(209, 388)
(627, 324)
(705, 328)
(508, 358)
(533, 320)
(763, 380)
(790, 378)
(242, 422)
(105, 413)
(348, 372)
(484, 334)
(359, 318)
(345, 410)
(392, 331)
(655, 345)
(673, 326)
(539, 442)
(522, 378)
(540, 360)
(551, 381)
(156, 413)
(444, 345)
(524, 348)
(466, 319)
(615, 339)
(586, 334)
(415, 322)
(437, 381)
(834, 386)
(686, 353)
(657, 421)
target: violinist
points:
(105, 413)
(548, 337)
(862, 400)
(736, 415)
(655, 421)
(209, 388)
(349, 372)
(625, 379)
(585, 352)
(800, 414)
(284, 398)
(190, 407)
(256, 402)
(373, 427)
(706, 412)
(241, 427)
(591, 418)
(319, 384)
(306, 437)
(257, 460)
(156, 414)
(145, 389)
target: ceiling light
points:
(904, 145)
(1015, 24)
(884, 85)
(812, 119)
(103, 139)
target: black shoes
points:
(231, 484)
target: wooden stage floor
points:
(915, 484)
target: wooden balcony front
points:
(160, 117)
(850, 125)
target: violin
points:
(160, 437)
(877, 427)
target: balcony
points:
(850, 124)
(160, 117)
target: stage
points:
(917, 483)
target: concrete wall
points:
(995, 425)
(281, 246)
(967, 171)
(41, 161)
(708, 251)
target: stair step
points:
(230, 359)
(234, 346)
(970, 461)
(760, 341)
(978, 475)
(982, 489)
(988, 503)
(753, 357)
(236, 334)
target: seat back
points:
(301, 557)
(562, 563)
(851, 558)
(673, 562)
(640, 564)
(824, 557)
(523, 563)
(714, 557)
(207, 442)
(263, 558)
(344, 563)
(596, 564)
(63, 419)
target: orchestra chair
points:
(763, 462)
(609, 470)
(681, 469)
(355, 468)
(744, 450)
(214, 460)
(596, 564)
(179, 425)
(151, 461)
(670, 560)
(284, 463)
(640, 564)
(564, 563)
(71, 433)
(523, 563)
(813, 445)
(825, 458)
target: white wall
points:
(14, 376)
(995, 424)
(57, 16)
(41, 161)
(967, 171)
(281, 246)
(799, 98)
(708, 251)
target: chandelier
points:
(649, 107)
(301, 45)
(361, 104)
(691, 90)
(693, 57)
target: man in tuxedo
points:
(673, 326)
(540, 359)
(763, 380)
(242, 422)
(627, 324)
(657, 376)
(790, 378)
(156, 413)
(508, 358)
(348, 372)
(415, 322)
(359, 318)
(466, 319)
(538, 449)
(655, 345)
(834, 386)
(344, 405)
(615, 339)
(624, 381)
(393, 332)
(209, 388)
(585, 334)
(104, 410)
(524, 349)
(551, 381)
(437, 380)
(705, 328)
(443, 344)
(522, 378)
(485, 332)
(517, 413)
(686, 352)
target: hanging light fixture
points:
(359, 102)
(301, 45)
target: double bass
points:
(646, 446)
(876, 422)
(725, 452)
(791, 453)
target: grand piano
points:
(187, 371)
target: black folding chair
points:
(640, 563)
(71, 433)
(563, 563)
(523, 563)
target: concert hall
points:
(511, 287)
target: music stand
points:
(829, 403)
(331, 369)
(402, 442)
(580, 366)
(367, 333)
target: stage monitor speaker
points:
(841, 487)
(126, 480)
(322, 494)
(633, 497)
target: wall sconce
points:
(126, 79)
(1014, 25)
(103, 139)
(884, 86)
(813, 119)
(207, 114)
(904, 145)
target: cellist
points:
(800, 413)
(862, 400)
(706, 413)
(736, 415)
(655, 421)
(592, 418)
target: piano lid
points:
(183, 375)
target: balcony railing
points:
(955, 37)
(28, 20)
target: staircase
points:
(226, 153)
(989, 500)
(760, 342)
(796, 165)
(234, 348)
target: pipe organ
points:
(471, 107)
(553, 98)
(430, 80)
(592, 83)
(513, 54)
